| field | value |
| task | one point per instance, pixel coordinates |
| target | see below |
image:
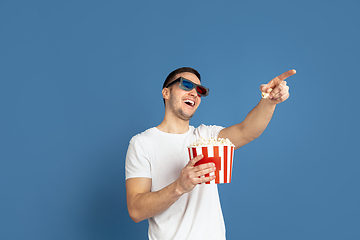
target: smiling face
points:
(179, 102)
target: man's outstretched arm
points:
(258, 119)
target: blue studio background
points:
(79, 78)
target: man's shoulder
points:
(204, 127)
(148, 133)
(208, 131)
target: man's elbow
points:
(135, 216)
(255, 136)
(251, 136)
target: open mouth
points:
(189, 102)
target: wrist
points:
(265, 98)
(177, 189)
(267, 103)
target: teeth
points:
(192, 103)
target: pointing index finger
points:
(286, 74)
(277, 80)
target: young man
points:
(162, 185)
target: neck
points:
(174, 125)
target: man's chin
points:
(185, 116)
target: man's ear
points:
(166, 93)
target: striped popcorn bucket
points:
(221, 155)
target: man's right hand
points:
(192, 175)
(143, 204)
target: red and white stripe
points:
(221, 155)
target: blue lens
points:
(189, 85)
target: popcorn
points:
(219, 151)
(265, 95)
(212, 142)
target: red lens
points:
(201, 90)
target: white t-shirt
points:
(161, 156)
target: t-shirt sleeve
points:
(137, 162)
(205, 131)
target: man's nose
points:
(193, 92)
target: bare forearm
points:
(145, 205)
(253, 126)
(258, 119)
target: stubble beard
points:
(178, 111)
